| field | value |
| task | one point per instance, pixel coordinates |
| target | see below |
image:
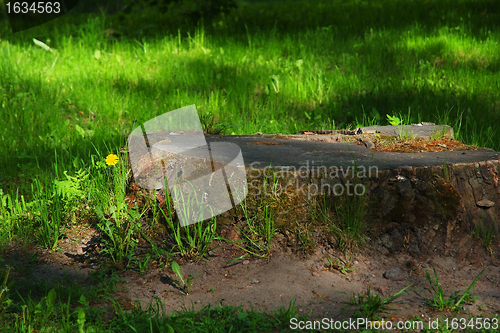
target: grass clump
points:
(340, 204)
(351, 210)
(439, 300)
(370, 304)
(191, 241)
(119, 225)
(486, 232)
(257, 234)
(343, 265)
(259, 228)
(48, 208)
(185, 285)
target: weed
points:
(439, 300)
(486, 233)
(191, 240)
(15, 214)
(444, 133)
(120, 242)
(157, 253)
(259, 229)
(5, 287)
(211, 126)
(143, 264)
(403, 123)
(72, 192)
(303, 235)
(394, 120)
(268, 230)
(49, 208)
(106, 281)
(351, 209)
(344, 266)
(186, 285)
(42, 312)
(322, 209)
(370, 304)
(285, 315)
(257, 234)
(154, 206)
(191, 209)
(119, 225)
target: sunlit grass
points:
(94, 86)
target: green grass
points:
(486, 232)
(267, 76)
(347, 63)
(72, 309)
(454, 302)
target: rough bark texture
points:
(446, 210)
(437, 210)
(423, 211)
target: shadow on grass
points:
(348, 19)
(30, 281)
(423, 100)
(348, 37)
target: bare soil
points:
(269, 284)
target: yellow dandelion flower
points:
(111, 159)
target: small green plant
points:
(439, 300)
(303, 235)
(144, 263)
(193, 241)
(393, 120)
(268, 230)
(402, 122)
(211, 126)
(351, 209)
(5, 287)
(154, 206)
(43, 311)
(440, 135)
(257, 234)
(330, 262)
(158, 252)
(104, 283)
(72, 192)
(369, 304)
(285, 315)
(48, 205)
(485, 233)
(322, 209)
(14, 213)
(118, 223)
(121, 241)
(344, 266)
(185, 285)
(259, 229)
